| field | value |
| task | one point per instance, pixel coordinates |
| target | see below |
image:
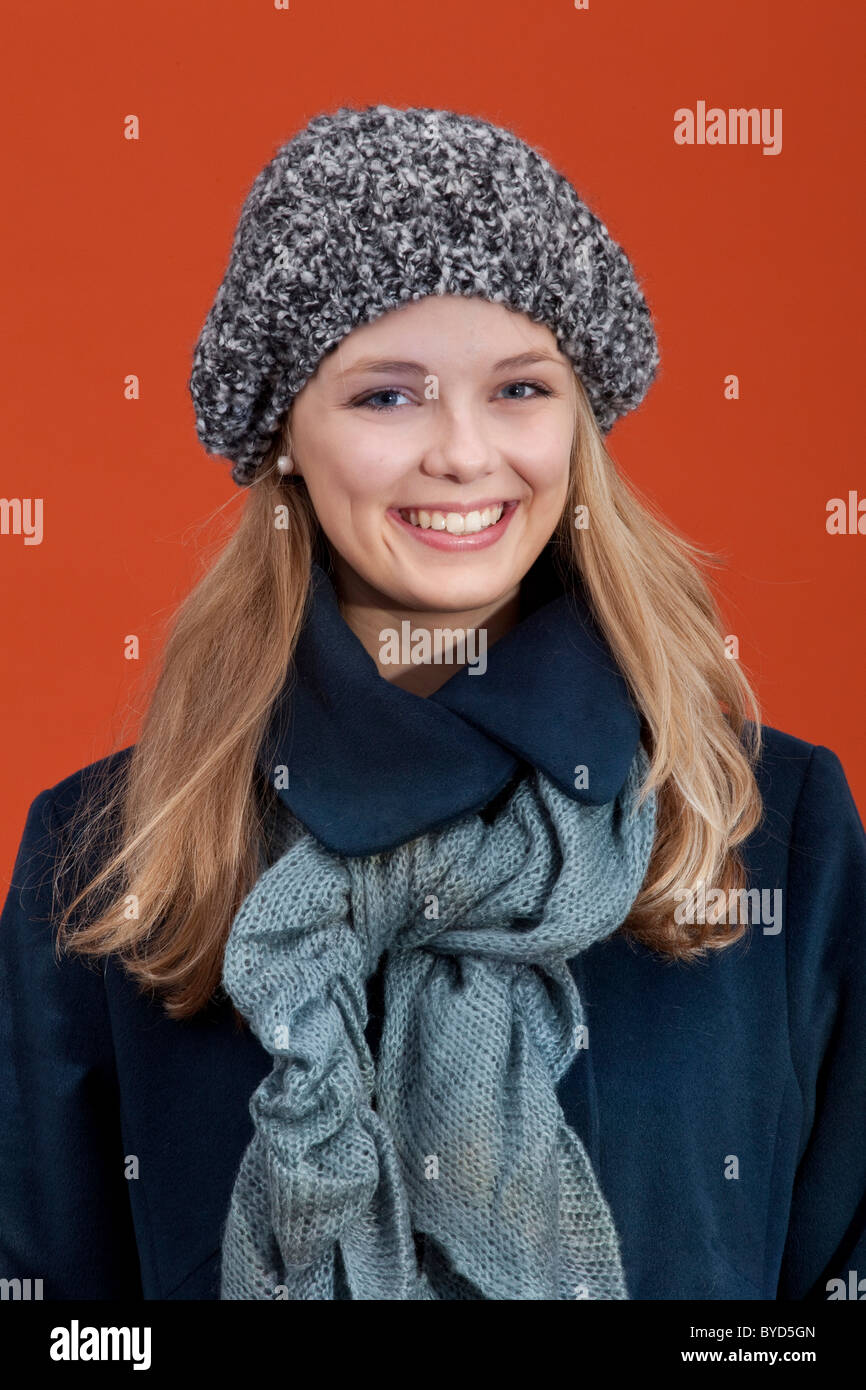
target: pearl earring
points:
(285, 463)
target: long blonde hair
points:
(187, 805)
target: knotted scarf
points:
(445, 1169)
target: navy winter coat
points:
(757, 1054)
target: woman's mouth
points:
(452, 528)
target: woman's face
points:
(422, 428)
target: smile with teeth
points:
(455, 523)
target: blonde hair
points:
(188, 805)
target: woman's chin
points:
(458, 596)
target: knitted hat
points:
(365, 210)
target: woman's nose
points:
(457, 445)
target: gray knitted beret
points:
(364, 210)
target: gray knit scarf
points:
(447, 1169)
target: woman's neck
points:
(419, 650)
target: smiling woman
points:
(485, 471)
(384, 1009)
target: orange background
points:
(113, 251)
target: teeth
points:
(455, 522)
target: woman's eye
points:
(533, 386)
(376, 395)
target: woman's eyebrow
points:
(529, 359)
(381, 365)
(523, 359)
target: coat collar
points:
(371, 765)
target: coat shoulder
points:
(56, 822)
(808, 809)
(783, 768)
(783, 756)
(796, 775)
(91, 782)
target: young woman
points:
(453, 929)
